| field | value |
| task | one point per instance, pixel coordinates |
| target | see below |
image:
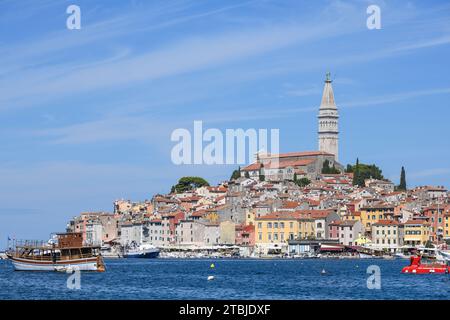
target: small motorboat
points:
(423, 266)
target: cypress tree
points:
(356, 177)
(236, 174)
(402, 185)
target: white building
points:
(94, 233)
(131, 233)
(387, 235)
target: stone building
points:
(328, 121)
(387, 235)
(309, 164)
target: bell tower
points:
(328, 121)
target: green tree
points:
(356, 173)
(303, 182)
(349, 168)
(362, 172)
(236, 174)
(262, 177)
(295, 177)
(189, 183)
(326, 169)
(402, 185)
(247, 175)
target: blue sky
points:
(87, 114)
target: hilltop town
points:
(290, 204)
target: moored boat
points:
(68, 253)
(424, 266)
(143, 251)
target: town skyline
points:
(79, 132)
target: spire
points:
(328, 96)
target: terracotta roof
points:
(252, 167)
(412, 222)
(386, 222)
(296, 154)
(283, 216)
(346, 223)
(290, 204)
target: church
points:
(308, 164)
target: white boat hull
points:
(80, 264)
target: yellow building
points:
(250, 216)
(417, 232)
(352, 217)
(272, 231)
(446, 226)
(373, 213)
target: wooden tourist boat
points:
(68, 253)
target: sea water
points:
(233, 279)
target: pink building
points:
(245, 235)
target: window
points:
(275, 225)
(269, 236)
(259, 225)
(260, 236)
(291, 225)
(282, 225)
(275, 236)
(269, 225)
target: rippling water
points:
(234, 279)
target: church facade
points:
(308, 164)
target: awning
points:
(332, 249)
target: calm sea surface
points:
(234, 279)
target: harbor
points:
(233, 279)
